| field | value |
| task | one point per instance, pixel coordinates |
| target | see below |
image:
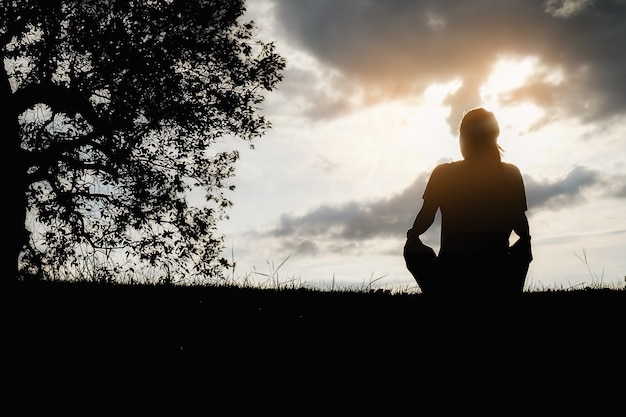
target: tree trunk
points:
(14, 180)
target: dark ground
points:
(84, 349)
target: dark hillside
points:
(88, 350)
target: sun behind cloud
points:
(508, 74)
(516, 117)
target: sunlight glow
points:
(508, 74)
(424, 127)
(436, 93)
(517, 119)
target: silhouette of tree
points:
(111, 113)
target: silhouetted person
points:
(482, 200)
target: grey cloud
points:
(358, 221)
(616, 187)
(565, 8)
(620, 192)
(304, 91)
(397, 46)
(563, 192)
(342, 248)
(390, 217)
(305, 247)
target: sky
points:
(370, 103)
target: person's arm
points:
(423, 221)
(521, 228)
(522, 248)
(426, 216)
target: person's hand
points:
(415, 246)
(521, 250)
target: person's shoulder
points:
(512, 168)
(447, 166)
(509, 165)
(511, 171)
(442, 170)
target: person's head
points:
(478, 135)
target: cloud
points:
(306, 247)
(354, 221)
(561, 192)
(395, 48)
(565, 8)
(616, 187)
(315, 92)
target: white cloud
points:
(566, 8)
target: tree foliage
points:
(115, 109)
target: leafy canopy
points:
(120, 105)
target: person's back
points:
(477, 203)
(482, 201)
